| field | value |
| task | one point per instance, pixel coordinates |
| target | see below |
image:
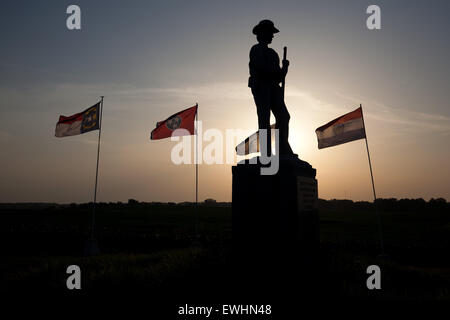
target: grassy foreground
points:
(152, 248)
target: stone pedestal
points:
(275, 216)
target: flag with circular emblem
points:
(181, 120)
(79, 123)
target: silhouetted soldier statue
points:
(265, 78)
(274, 213)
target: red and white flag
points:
(79, 123)
(346, 128)
(181, 120)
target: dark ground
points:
(150, 249)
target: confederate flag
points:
(181, 120)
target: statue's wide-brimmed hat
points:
(265, 26)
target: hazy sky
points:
(151, 59)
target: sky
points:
(151, 59)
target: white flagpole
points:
(196, 173)
(96, 171)
(380, 230)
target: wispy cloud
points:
(5, 136)
(406, 119)
(223, 92)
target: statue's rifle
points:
(283, 82)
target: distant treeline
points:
(118, 204)
(391, 204)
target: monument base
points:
(275, 216)
(91, 247)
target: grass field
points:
(152, 247)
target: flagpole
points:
(196, 173)
(380, 230)
(96, 171)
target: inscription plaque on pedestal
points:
(306, 194)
